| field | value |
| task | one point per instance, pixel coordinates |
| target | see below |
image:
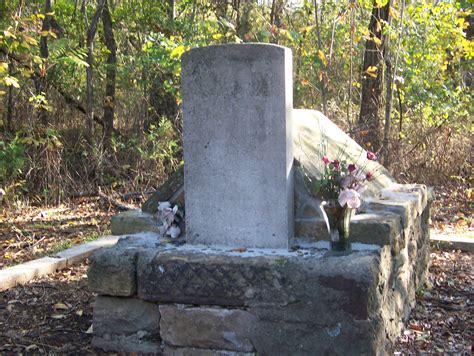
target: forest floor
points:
(31, 232)
(54, 314)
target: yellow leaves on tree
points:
(372, 71)
(322, 57)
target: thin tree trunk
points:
(351, 66)
(40, 81)
(3, 9)
(243, 10)
(275, 21)
(390, 79)
(91, 31)
(400, 109)
(272, 12)
(9, 113)
(236, 7)
(193, 14)
(389, 73)
(319, 19)
(171, 10)
(109, 100)
(369, 120)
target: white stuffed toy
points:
(169, 217)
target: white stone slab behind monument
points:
(237, 105)
(312, 130)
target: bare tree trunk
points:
(171, 10)
(91, 31)
(390, 79)
(3, 9)
(109, 100)
(40, 82)
(236, 7)
(193, 14)
(351, 66)
(372, 74)
(242, 21)
(275, 17)
(277, 7)
(9, 113)
(400, 109)
(318, 16)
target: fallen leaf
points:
(31, 347)
(58, 316)
(60, 306)
(416, 328)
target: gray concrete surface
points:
(25, 272)
(237, 105)
(453, 242)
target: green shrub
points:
(13, 159)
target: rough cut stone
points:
(297, 285)
(237, 105)
(341, 338)
(126, 324)
(112, 271)
(132, 222)
(131, 344)
(207, 328)
(172, 190)
(125, 316)
(190, 351)
(370, 229)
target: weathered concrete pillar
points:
(237, 104)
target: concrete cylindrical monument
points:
(237, 104)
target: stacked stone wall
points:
(190, 300)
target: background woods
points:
(90, 88)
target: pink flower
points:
(349, 197)
(371, 156)
(336, 164)
(326, 160)
(369, 176)
(351, 168)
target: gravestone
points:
(238, 178)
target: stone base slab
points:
(267, 302)
(132, 222)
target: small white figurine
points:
(169, 217)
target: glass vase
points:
(338, 220)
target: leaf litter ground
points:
(30, 232)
